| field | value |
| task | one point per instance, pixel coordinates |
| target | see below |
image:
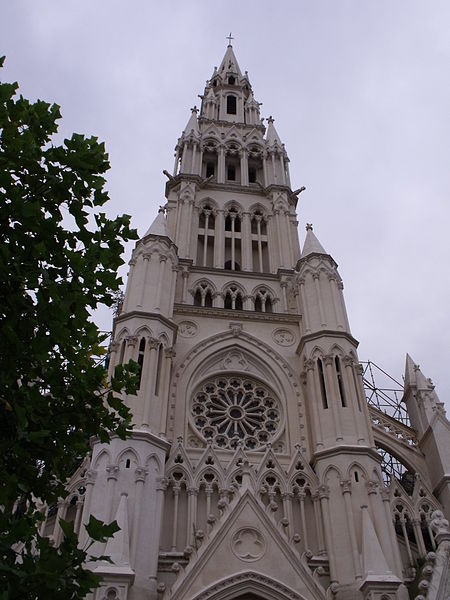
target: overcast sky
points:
(360, 94)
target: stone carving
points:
(187, 329)
(235, 361)
(283, 337)
(248, 544)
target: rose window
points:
(228, 410)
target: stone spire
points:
(312, 244)
(192, 124)
(159, 226)
(272, 136)
(229, 63)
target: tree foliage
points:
(59, 255)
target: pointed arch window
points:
(263, 301)
(203, 295)
(233, 299)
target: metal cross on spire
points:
(229, 38)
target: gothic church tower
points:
(252, 471)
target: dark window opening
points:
(258, 304)
(122, 351)
(158, 369)
(198, 298)
(227, 303)
(127, 464)
(252, 175)
(209, 169)
(356, 477)
(231, 80)
(231, 105)
(269, 307)
(228, 266)
(231, 173)
(238, 303)
(140, 359)
(215, 83)
(208, 300)
(337, 362)
(323, 389)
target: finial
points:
(194, 110)
(229, 38)
(270, 119)
(309, 227)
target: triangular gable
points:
(245, 538)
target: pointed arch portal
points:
(248, 586)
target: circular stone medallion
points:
(283, 337)
(248, 544)
(187, 329)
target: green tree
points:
(59, 255)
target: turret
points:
(428, 418)
(276, 158)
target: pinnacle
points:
(159, 226)
(272, 136)
(312, 244)
(414, 376)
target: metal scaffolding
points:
(385, 393)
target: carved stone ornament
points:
(248, 544)
(187, 329)
(235, 361)
(283, 337)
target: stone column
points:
(57, 531)
(146, 259)
(161, 486)
(324, 495)
(354, 402)
(111, 478)
(332, 393)
(346, 491)
(79, 511)
(169, 354)
(184, 275)
(246, 242)
(161, 280)
(219, 240)
(150, 381)
(132, 265)
(244, 167)
(91, 476)
(313, 398)
(132, 341)
(140, 475)
(283, 285)
(221, 165)
(316, 277)
(304, 306)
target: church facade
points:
(253, 469)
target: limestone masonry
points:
(254, 469)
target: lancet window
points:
(206, 232)
(209, 168)
(140, 360)
(233, 298)
(260, 251)
(233, 252)
(203, 295)
(263, 301)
